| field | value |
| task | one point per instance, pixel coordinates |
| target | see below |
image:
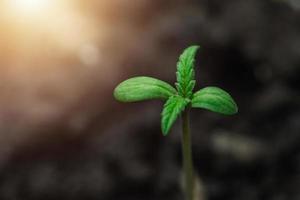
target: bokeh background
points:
(63, 136)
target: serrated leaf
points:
(143, 88)
(185, 72)
(216, 100)
(172, 108)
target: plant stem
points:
(187, 157)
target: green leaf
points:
(172, 108)
(216, 100)
(185, 72)
(143, 88)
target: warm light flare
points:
(30, 6)
(59, 22)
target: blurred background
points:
(63, 136)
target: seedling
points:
(178, 102)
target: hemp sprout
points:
(179, 101)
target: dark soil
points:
(250, 48)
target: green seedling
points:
(178, 102)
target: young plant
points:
(179, 101)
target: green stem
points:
(187, 157)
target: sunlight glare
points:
(30, 6)
(59, 22)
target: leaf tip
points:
(164, 132)
(116, 94)
(196, 47)
(235, 108)
(164, 128)
(192, 49)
